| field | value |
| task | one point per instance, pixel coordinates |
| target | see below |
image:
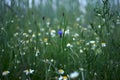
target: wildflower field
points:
(59, 40)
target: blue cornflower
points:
(60, 33)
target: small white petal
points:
(74, 75)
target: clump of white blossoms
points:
(28, 71)
(5, 73)
(74, 75)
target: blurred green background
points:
(32, 49)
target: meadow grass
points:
(35, 47)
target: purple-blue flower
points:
(60, 33)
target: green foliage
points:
(31, 47)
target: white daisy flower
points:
(5, 73)
(28, 71)
(74, 75)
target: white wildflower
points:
(95, 74)
(92, 42)
(33, 35)
(99, 14)
(48, 23)
(73, 39)
(5, 73)
(61, 71)
(29, 31)
(81, 51)
(2, 28)
(42, 29)
(67, 31)
(99, 26)
(16, 34)
(39, 34)
(28, 71)
(52, 33)
(3, 50)
(47, 33)
(76, 35)
(51, 60)
(81, 69)
(103, 44)
(87, 43)
(27, 41)
(74, 75)
(60, 78)
(65, 77)
(37, 52)
(69, 45)
(93, 46)
(78, 19)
